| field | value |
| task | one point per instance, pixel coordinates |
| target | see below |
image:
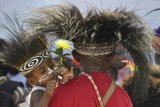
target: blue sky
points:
(141, 6)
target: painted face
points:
(43, 73)
(34, 62)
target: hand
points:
(66, 75)
(51, 85)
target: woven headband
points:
(33, 62)
(94, 49)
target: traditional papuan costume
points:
(99, 33)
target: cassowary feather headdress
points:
(100, 33)
(21, 50)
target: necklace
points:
(95, 88)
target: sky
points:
(140, 6)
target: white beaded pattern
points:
(95, 87)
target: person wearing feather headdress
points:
(153, 99)
(96, 37)
(30, 56)
(125, 67)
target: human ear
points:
(75, 55)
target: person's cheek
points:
(116, 63)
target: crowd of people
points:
(58, 57)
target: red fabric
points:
(79, 92)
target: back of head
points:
(100, 33)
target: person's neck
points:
(89, 69)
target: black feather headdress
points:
(99, 33)
(20, 47)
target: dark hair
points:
(6, 100)
(20, 46)
(6, 68)
(120, 26)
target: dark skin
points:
(40, 98)
(115, 65)
(96, 63)
(111, 62)
(34, 77)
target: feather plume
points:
(20, 46)
(98, 27)
(56, 20)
